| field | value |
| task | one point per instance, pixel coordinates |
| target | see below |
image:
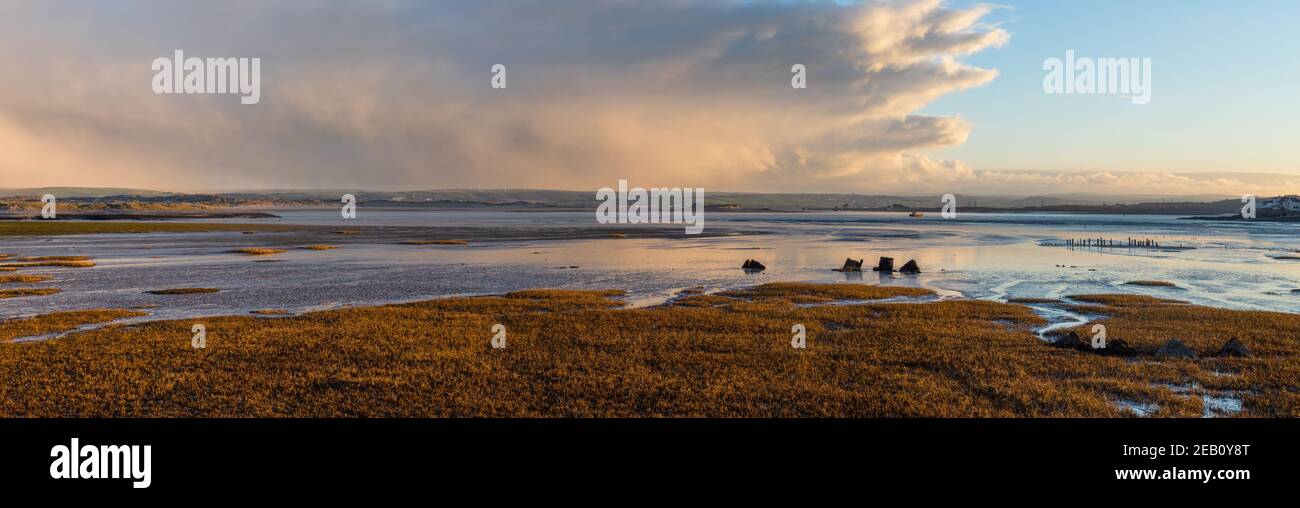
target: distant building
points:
(1281, 205)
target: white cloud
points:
(395, 95)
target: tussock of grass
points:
(1122, 299)
(1152, 283)
(435, 242)
(65, 264)
(257, 251)
(183, 291)
(1089, 309)
(15, 293)
(59, 322)
(703, 301)
(270, 312)
(54, 258)
(26, 279)
(319, 247)
(8, 269)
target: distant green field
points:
(38, 227)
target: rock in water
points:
(1174, 348)
(885, 265)
(753, 265)
(852, 266)
(1234, 347)
(910, 267)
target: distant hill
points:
(583, 200)
(80, 192)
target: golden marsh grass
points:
(183, 291)
(1152, 283)
(257, 251)
(25, 279)
(59, 322)
(577, 353)
(54, 258)
(434, 242)
(16, 293)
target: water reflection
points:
(993, 256)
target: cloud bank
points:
(389, 95)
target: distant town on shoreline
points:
(88, 199)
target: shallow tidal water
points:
(988, 256)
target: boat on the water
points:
(916, 214)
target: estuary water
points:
(988, 256)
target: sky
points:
(1226, 90)
(902, 97)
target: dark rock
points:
(851, 266)
(1114, 347)
(1071, 341)
(910, 267)
(1117, 347)
(1234, 347)
(885, 265)
(1174, 348)
(753, 265)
